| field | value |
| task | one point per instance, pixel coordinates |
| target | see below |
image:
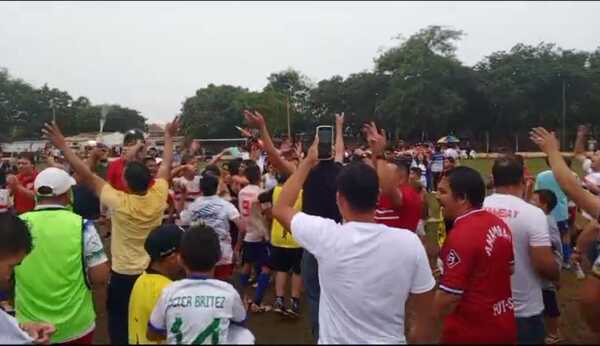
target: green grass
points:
(484, 166)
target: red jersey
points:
(24, 203)
(407, 216)
(478, 259)
(114, 174)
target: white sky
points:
(151, 56)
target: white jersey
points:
(529, 228)
(247, 197)
(215, 212)
(197, 310)
(450, 152)
(192, 188)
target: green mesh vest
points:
(50, 283)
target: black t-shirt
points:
(318, 197)
(85, 203)
(4, 170)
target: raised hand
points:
(254, 120)
(376, 138)
(173, 127)
(53, 133)
(545, 140)
(312, 156)
(582, 130)
(339, 120)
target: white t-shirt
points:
(269, 181)
(10, 332)
(586, 166)
(529, 228)
(246, 198)
(215, 212)
(366, 273)
(450, 152)
(593, 178)
(192, 188)
(197, 311)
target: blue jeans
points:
(530, 330)
(310, 276)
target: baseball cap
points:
(133, 136)
(163, 241)
(52, 182)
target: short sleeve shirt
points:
(529, 227)
(24, 203)
(247, 197)
(546, 180)
(215, 212)
(133, 217)
(478, 257)
(144, 295)
(405, 217)
(362, 300)
(114, 174)
(197, 311)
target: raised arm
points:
(568, 183)
(339, 138)
(171, 129)
(582, 132)
(87, 177)
(256, 120)
(385, 171)
(283, 210)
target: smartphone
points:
(325, 134)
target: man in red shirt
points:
(474, 298)
(132, 142)
(399, 203)
(21, 185)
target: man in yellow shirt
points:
(162, 245)
(134, 214)
(286, 253)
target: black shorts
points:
(255, 252)
(550, 304)
(284, 259)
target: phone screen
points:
(325, 134)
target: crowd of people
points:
(193, 250)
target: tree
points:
(422, 71)
(213, 112)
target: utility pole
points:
(564, 114)
(287, 103)
(53, 110)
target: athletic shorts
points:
(255, 252)
(563, 227)
(285, 259)
(550, 304)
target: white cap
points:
(57, 180)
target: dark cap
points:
(403, 162)
(133, 135)
(163, 241)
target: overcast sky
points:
(151, 56)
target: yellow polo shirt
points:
(133, 217)
(145, 294)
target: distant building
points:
(13, 148)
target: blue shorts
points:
(255, 252)
(530, 330)
(563, 227)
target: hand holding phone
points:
(325, 135)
